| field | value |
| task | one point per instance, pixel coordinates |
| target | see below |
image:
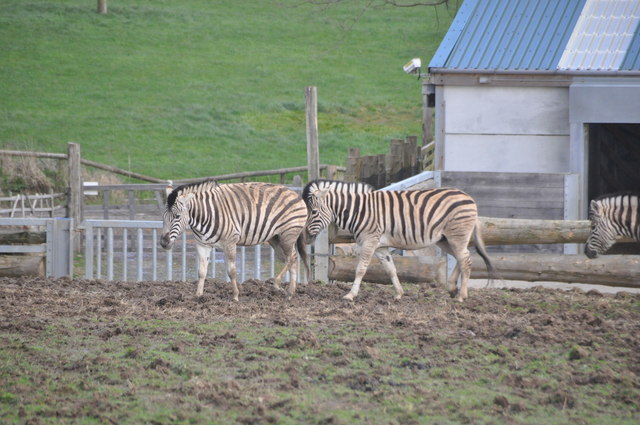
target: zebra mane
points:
(614, 195)
(190, 188)
(334, 185)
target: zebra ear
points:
(169, 188)
(320, 194)
(186, 198)
(593, 205)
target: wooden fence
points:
(405, 159)
(37, 205)
(131, 201)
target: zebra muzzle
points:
(166, 242)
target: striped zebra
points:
(245, 214)
(410, 219)
(612, 216)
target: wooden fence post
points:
(321, 257)
(351, 173)
(313, 152)
(74, 210)
(75, 184)
(102, 7)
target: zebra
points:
(228, 215)
(409, 219)
(612, 216)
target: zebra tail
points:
(493, 272)
(301, 247)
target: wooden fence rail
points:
(133, 203)
(33, 205)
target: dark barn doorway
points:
(614, 165)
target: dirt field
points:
(77, 351)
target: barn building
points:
(537, 104)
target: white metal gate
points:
(128, 250)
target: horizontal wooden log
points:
(22, 238)
(512, 231)
(21, 265)
(609, 270)
(409, 269)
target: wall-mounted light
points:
(413, 66)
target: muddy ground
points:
(133, 352)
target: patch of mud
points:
(510, 327)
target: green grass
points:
(194, 88)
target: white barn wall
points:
(507, 153)
(505, 129)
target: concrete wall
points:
(504, 129)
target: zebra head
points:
(175, 218)
(320, 215)
(602, 235)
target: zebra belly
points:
(395, 242)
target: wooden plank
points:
(21, 265)
(465, 179)
(381, 174)
(22, 238)
(515, 192)
(522, 213)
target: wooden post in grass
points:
(321, 247)
(102, 7)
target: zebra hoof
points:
(349, 296)
(397, 297)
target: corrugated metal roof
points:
(632, 61)
(602, 35)
(542, 35)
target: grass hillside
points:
(178, 89)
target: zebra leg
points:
(293, 274)
(463, 267)
(230, 259)
(385, 258)
(453, 278)
(288, 246)
(203, 262)
(277, 247)
(366, 248)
